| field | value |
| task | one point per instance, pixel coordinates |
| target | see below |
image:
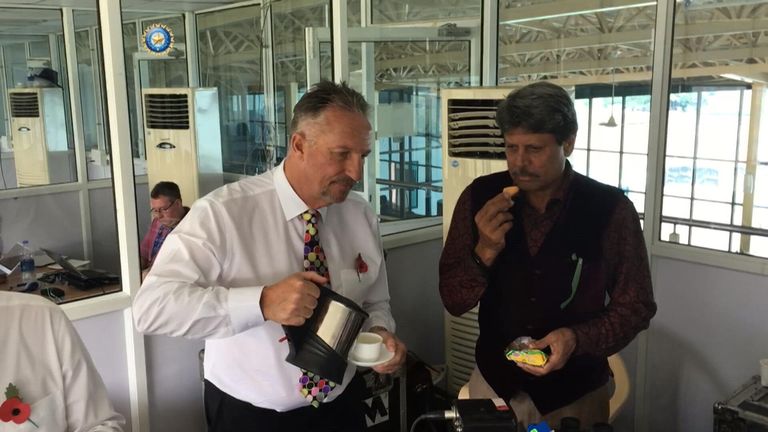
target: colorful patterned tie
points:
(314, 388)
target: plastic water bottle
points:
(27, 264)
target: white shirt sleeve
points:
(377, 302)
(180, 297)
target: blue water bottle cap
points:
(539, 427)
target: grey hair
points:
(541, 107)
(323, 95)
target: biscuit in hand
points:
(510, 191)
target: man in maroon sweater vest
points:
(563, 262)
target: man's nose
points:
(355, 167)
(515, 158)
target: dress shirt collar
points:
(291, 203)
(562, 189)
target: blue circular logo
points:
(158, 38)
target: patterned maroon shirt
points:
(631, 304)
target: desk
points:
(70, 292)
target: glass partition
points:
(603, 56)
(36, 146)
(716, 181)
(71, 228)
(230, 48)
(400, 60)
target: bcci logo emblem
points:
(158, 39)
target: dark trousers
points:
(224, 413)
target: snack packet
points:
(519, 352)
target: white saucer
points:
(384, 356)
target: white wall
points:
(705, 342)
(103, 336)
(415, 300)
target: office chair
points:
(620, 390)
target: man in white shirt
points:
(230, 273)
(46, 368)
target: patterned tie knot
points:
(314, 257)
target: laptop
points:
(11, 260)
(82, 278)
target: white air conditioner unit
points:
(472, 146)
(39, 137)
(183, 139)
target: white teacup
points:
(367, 346)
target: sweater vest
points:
(529, 295)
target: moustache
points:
(523, 173)
(345, 181)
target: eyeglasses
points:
(157, 211)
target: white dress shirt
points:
(43, 356)
(208, 278)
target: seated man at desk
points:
(48, 380)
(167, 211)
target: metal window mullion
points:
(699, 99)
(339, 40)
(662, 68)
(750, 171)
(489, 43)
(73, 81)
(268, 81)
(193, 59)
(125, 201)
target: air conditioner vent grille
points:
(166, 111)
(472, 129)
(24, 104)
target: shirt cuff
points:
(245, 308)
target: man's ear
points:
(568, 145)
(298, 144)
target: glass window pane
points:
(388, 11)
(633, 172)
(676, 207)
(713, 180)
(761, 186)
(605, 130)
(710, 238)
(224, 36)
(711, 128)
(675, 233)
(578, 160)
(637, 116)
(604, 167)
(718, 125)
(681, 122)
(711, 211)
(678, 177)
(289, 19)
(36, 145)
(758, 246)
(582, 114)
(54, 217)
(638, 199)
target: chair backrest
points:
(621, 386)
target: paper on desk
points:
(42, 260)
(75, 262)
